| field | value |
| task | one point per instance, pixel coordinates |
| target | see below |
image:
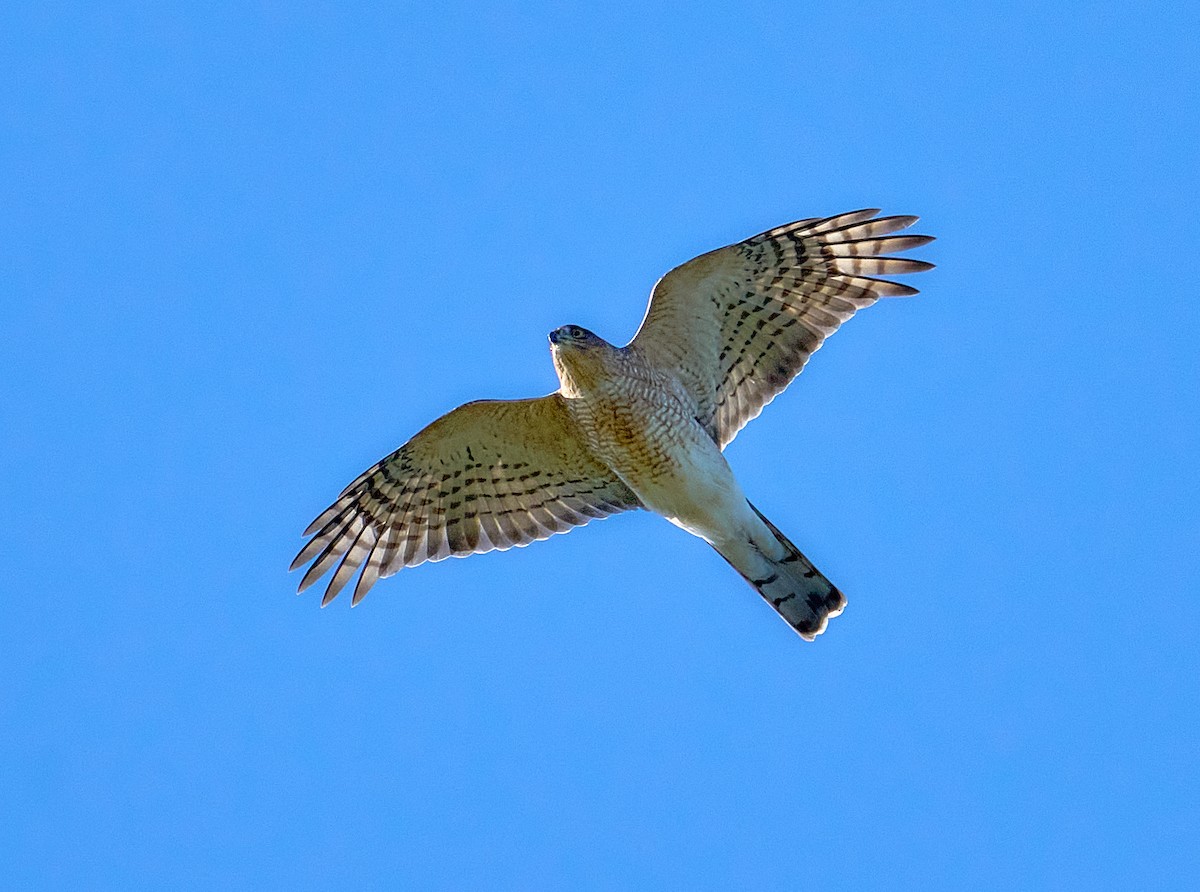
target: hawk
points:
(639, 426)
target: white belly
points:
(695, 489)
(650, 438)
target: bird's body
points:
(640, 426)
(641, 423)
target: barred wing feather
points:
(737, 325)
(488, 475)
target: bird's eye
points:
(576, 331)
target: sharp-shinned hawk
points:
(639, 426)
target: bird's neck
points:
(584, 372)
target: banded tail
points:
(793, 586)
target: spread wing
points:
(736, 325)
(490, 474)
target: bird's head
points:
(581, 358)
(574, 336)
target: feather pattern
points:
(489, 475)
(736, 325)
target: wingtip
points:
(849, 217)
(899, 221)
(309, 578)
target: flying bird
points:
(639, 426)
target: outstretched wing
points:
(736, 325)
(490, 474)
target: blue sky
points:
(251, 248)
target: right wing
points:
(736, 325)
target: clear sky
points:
(249, 248)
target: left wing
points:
(736, 325)
(489, 475)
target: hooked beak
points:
(554, 337)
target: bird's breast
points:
(652, 441)
(634, 436)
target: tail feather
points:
(795, 588)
